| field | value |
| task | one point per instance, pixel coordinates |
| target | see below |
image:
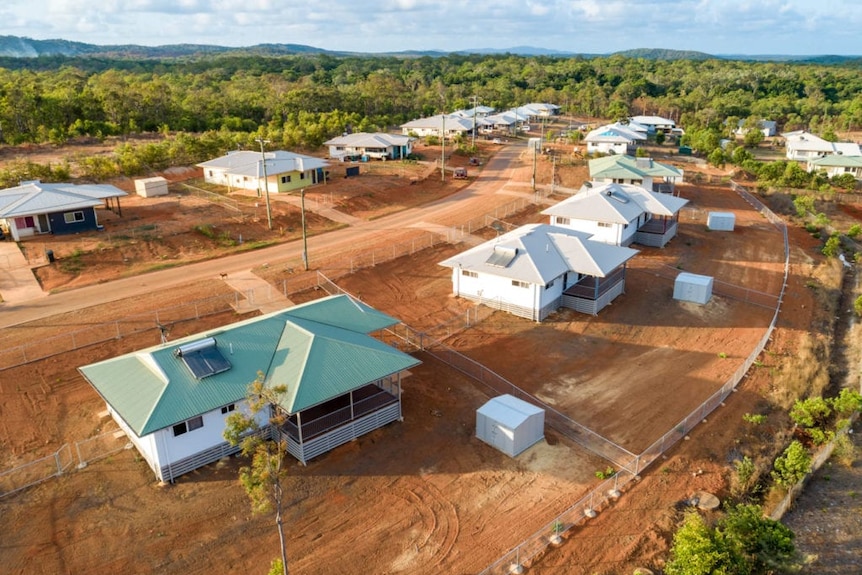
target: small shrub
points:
(845, 451)
(854, 231)
(811, 412)
(791, 466)
(722, 355)
(847, 401)
(606, 474)
(754, 418)
(833, 246)
(745, 469)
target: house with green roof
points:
(644, 172)
(172, 399)
(837, 165)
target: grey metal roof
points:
(616, 204)
(247, 163)
(319, 350)
(366, 140)
(32, 198)
(543, 253)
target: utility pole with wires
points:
(304, 236)
(443, 148)
(261, 141)
(475, 101)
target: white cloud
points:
(716, 26)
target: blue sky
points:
(798, 27)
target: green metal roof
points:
(839, 161)
(319, 350)
(628, 167)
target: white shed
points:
(149, 187)
(693, 288)
(509, 424)
(721, 221)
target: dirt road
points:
(479, 197)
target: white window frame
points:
(75, 219)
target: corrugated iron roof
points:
(544, 252)
(33, 198)
(318, 350)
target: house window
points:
(228, 408)
(210, 173)
(604, 225)
(285, 179)
(188, 425)
(73, 217)
(520, 284)
(563, 221)
(469, 274)
(549, 285)
(301, 175)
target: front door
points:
(44, 226)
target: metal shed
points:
(692, 287)
(509, 424)
(721, 221)
(149, 187)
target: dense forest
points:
(302, 100)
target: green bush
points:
(832, 247)
(791, 466)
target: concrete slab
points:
(258, 293)
(17, 282)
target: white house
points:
(543, 109)
(536, 269)
(613, 139)
(504, 121)
(803, 146)
(835, 165)
(644, 172)
(655, 123)
(448, 124)
(172, 400)
(478, 112)
(285, 171)
(380, 146)
(619, 214)
(767, 127)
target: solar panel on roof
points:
(203, 358)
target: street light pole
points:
(261, 141)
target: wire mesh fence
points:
(101, 446)
(36, 471)
(533, 547)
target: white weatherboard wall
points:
(509, 424)
(692, 287)
(721, 221)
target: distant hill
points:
(663, 54)
(18, 47)
(21, 47)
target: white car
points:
(496, 141)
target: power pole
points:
(443, 149)
(304, 235)
(475, 101)
(261, 141)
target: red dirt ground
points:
(425, 495)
